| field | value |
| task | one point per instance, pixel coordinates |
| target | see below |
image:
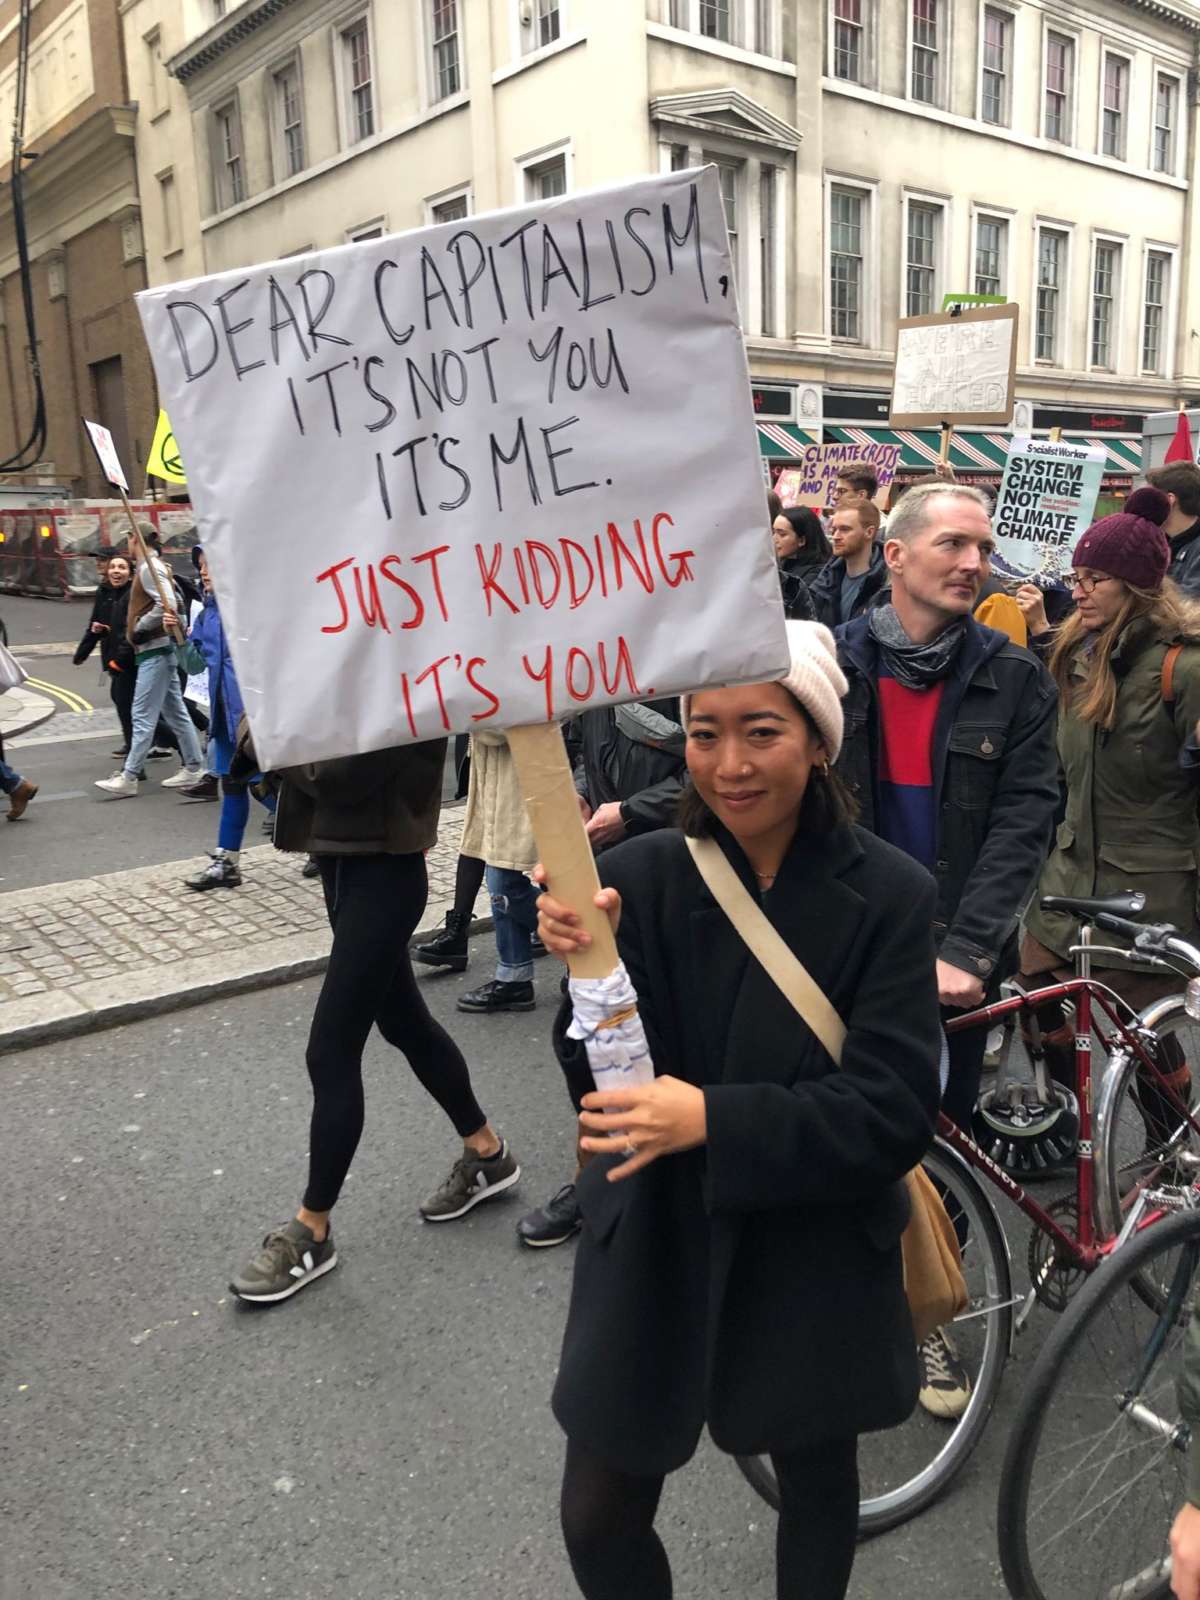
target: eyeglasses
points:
(1087, 583)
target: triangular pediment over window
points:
(728, 112)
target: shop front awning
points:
(977, 452)
(920, 448)
(783, 441)
(1123, 455)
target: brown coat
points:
(384, 803)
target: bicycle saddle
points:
(1127, 904)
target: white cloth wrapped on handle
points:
(606, 1020)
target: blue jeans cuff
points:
(521, 974)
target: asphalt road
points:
(72, 830)
(385, 1435)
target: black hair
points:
(827, 804)
(806, 525)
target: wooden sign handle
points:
(947, 435)
(168, 602)
(553, 806)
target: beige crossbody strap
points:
(786, 970)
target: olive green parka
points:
(1131, 817)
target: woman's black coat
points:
(105, 604)
(756, 1283)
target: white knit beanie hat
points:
(816, 680)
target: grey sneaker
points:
(290, 1257)
(471, 1180)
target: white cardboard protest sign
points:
(483, 474)
(812, 482)
(106, 452)
(1046, 501)
(955, 369)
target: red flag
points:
(1180, 447)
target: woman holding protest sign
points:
(743, 1243)
(1127, 664)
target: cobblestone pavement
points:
(97, 951)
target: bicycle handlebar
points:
(1149, 938)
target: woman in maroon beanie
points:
(1130, 701)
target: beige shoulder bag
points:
(933, 1279)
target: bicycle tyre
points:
(1117, 1111)
(878, 1513)
(1119, 1272)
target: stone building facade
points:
(875, 155)
(85, 242)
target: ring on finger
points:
(630, 1149)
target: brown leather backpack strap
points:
(1168, 673)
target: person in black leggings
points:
(367, 820)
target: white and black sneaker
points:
(945, 1383)
(471, 1179)
(220, 873)
(289, 1258)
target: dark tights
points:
(608, 1522)
(468, 880)
(374, 905)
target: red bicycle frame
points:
(1084, 1250)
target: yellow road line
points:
(72, 701)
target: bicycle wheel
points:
(1097, 1463)
(906, 1469)
(1137, 1142)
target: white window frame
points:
(523, 166)
(696, 146)
(777, 314)
(223, 196)
(373, 228)
(868, 188)
(432, 96)
(1171, 251)
(1179, 132)
(157, 72)
(1117, 331)
(1062, 330)
(172, 243)
(347, 123)
(868, 43)
(1056, 26)
(724, 161)
(941, 234)
(275, 125)
(1005, 219)
(1107, 53)
(527, 25)
(944, 49)
(461, 191)
(744, 30)
(1010, 17)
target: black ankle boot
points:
(447, 949)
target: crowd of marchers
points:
(945, 749)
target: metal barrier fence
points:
(53, 552)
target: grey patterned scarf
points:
(916, 666)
